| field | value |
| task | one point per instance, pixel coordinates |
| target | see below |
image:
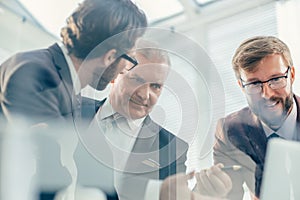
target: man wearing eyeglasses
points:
(264, 70)
(43, 85)
(143, 152)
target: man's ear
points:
(292, 74)
(109, 57)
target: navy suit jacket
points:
(240, 139)
(37, 85)
(154, 143)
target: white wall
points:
(17, 34)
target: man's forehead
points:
(149, 74)
(262, 74)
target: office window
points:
(204, 2)
(224, 36)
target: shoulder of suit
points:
(297, 98)
(31, 59)
(239, 120)
(86, 101)
(240, 115)
(36, 65)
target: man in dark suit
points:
(143, 152)
(42, 85)
(264, 70)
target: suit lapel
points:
(257, 138)
(62, 69)
(148, 137)
(249, 136)
(144, 157)
(89, 108)
(297, 100)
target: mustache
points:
(136, 101)
(264, 101)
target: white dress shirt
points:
(74, 75)
(118, 131)
(288, 128)
(123, 135)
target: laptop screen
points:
(281, 179)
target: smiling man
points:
(265, 72)
(138, 90)
(130, 129)
(123, 136)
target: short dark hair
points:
(94, 21)
(253, 50)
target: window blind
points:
(225, 35)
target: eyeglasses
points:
(133, 61)
(274, 83)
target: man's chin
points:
(274, 122)
(138, 116)
(101, 85)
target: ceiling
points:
(43, 11)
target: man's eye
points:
(156, 85)
(124, 71)
(136, 80)
(254, 84)
(277, 79)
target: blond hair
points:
(253, 50)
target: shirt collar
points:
(107, 111)
(74, 75)
(288, 128)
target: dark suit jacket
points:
(240, 139)
(154, 144)
(36, 85)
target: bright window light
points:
(159, 10)
(43, 11)
(204, 2)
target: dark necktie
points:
(273, 135)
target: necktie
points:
(273, 135)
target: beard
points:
(100, 82)
(271, 118)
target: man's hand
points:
(176, 188)
(213, 182)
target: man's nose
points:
(144, 92)
(267, 91)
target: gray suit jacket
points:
(156, 154)
(37, 85)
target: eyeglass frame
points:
(130, 59)
(286, 75)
